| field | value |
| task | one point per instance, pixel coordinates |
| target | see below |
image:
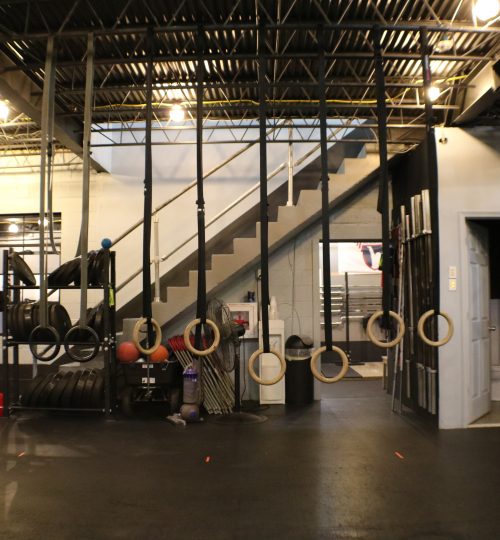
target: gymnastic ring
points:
(255, 377)
(96, 345)
(385, 344)
(317, 372)
(439, 342)
(33, 344)
(136, 339)
(187, 338)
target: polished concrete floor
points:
(345, 468)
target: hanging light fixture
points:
(434, 92)
(4, 111)
(445, 44)
(176, 113)
(486, 9)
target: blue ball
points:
(106, 243)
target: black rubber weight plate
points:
(21, 269)
(67, 395)
(98, 391)
(30, 388)
(43, 400)
(87, 391)
(35, 396)
(28, 319)
(80, 387)
(54, 399)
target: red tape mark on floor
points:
(399, 455)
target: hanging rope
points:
(153, 328)
(82, 331)
(44, 332)
(325, 228)
(383, 208)
(264, 223)
(201, 299)
(432, 175)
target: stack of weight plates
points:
(82, 389)
(69, 272)
(24, 316)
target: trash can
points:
(299, 381)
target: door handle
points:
(492, 328)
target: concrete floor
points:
(343, 469)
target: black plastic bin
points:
(299, 381)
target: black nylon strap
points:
(325, 197)
(383, 193)
(148, 194)
(264, 218)
(432, 169)
(201, 301)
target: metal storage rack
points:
(10, 375)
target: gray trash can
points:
(299, 381)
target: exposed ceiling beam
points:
(18, 88)
(483, 91)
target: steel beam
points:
(17, 89)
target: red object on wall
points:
(1, 404)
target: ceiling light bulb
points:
(434, 93)
(4, 111)
(486, 9)
(14, 228)
(444, 45)
(176, 113)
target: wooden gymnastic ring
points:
(385, 344)
(317, 372)
(137, 340)
(439, 342)
(255, 377)
(187, 338)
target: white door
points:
(478, 315)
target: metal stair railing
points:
(223, 212)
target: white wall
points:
(469, 186)
(294, 275)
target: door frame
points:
(464, 300)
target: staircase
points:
(354, 175)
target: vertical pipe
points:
(325, 197)
(383, 201)
(290, 165)
(48, 94)
(148, 195)
(87, 124)
(264, 218)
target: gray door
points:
(478, 316)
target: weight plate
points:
(97, 400)
(91, 255)
(99, 268)
(80, 387)
(67, 395)
(43, 399)
(21, 269)
(87, 391)
(60, 319)
(98, 321)
(54, 399)
(28, 319)
(35, 396)
(30, 388)
(64, 275)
